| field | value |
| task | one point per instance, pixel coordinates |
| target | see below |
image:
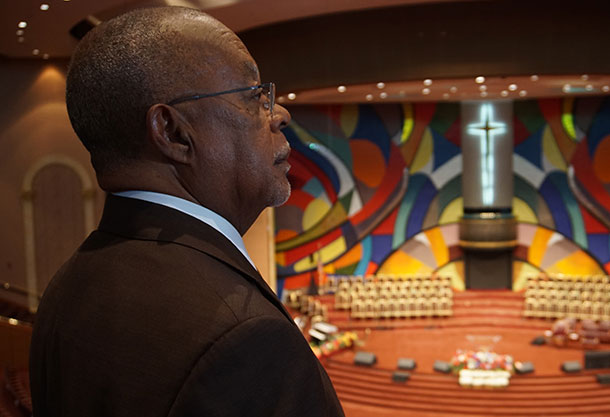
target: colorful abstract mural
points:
(377, 189)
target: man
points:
(161, 312)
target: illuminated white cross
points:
(486, 129)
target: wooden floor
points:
(491, 318)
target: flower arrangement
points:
(481, 360)
(334, 344)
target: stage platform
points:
(484, 317)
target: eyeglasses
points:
(267, 89)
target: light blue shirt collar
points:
(201, 213)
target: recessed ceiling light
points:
(605, 88)
(425, 91)
(341, 89)
(369, 97)
(483, 87)
(281, 99)
(589, 87)
(383, 94)
(23, 24)
(503, 93)
(512, 87)
(453, 89)
(480, 79)
(44, 7)
(380, 85)
(584, 77)
(20, 39)
(534, 78)
(291, 96)
(523, 93)
(45, 56)
(427, 81)
(20, 32)
(483, 93)
(566, 88)
(446, 96)
(35, 51)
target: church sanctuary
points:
(445, 250)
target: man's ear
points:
(169, 132)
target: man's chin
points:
(282, 194)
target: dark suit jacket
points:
(158, 314)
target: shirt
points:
(197, 211)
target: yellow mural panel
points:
(437, 245)
(551, 150)
(424, 152)
(455, 271)
(523, 212)
(408, 123)
(578, 263)
(521, 271)
(401, 263)
(349, 119)
(328, 253)
(315, 211)
(538, 247)
(452, 212)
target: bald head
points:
(131, 62)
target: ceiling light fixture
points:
(380, 85)
(369, 97)
(341, 89)
(446, 96)
(427, 81)
(523, 93)
(589, 87)
(584, 77)
(453, 89)
(44, 7)
(483, 87)
(479, 80)
(566, 88)
(534, 78)
(503, 93)
(20, 32)
(23, 24)
(35, 51)
(483, 93)
(291, 96)
(45, 56)
(425, 91)
(513, 87)
(383, 94)
(605, 88)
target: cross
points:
(486, 129)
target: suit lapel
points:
(139, 219)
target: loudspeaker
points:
(537, 341)
(406, 363)
(571, 366)
(440, 366)
(524, 367)
(603, 379)
(402, 377)
(597, 359)
(365, 359)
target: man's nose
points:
(281, 117)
